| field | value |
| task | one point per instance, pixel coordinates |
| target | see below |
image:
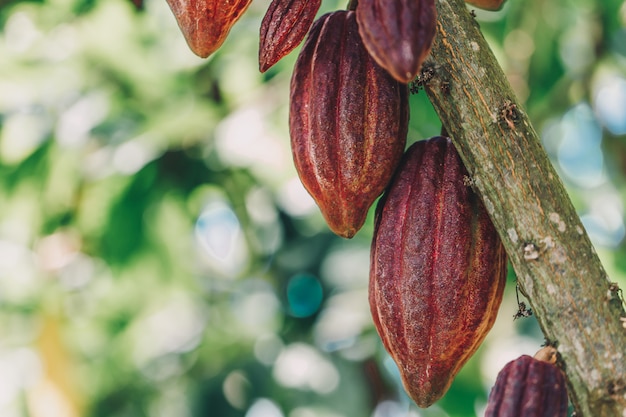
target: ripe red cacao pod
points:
(398, 33)
(348, 122)
(438, 269)
(284, 26)
(529, 387)
(206, 23)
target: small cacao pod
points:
(529, 387)
(487, 4)
(398, 33)
(438, 269)
(206, 23)
(284, 26)
(348, 122)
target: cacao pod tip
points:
(265, 62)
(399, 48)
(196, 43)
(424, 392)
(202, 53)
(347, 234)
(424, 401)
(345, 228)
(403, 78)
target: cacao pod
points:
(398, 33)
(206, 23)
(348, 121)
(529, 387)
(487, 4)
(437, 272)
(284, 26)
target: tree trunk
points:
(556, 265)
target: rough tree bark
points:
(556, 265)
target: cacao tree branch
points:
(556, 265)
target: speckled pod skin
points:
(284, 26)
(348, 122)
(398, 33)
(206, 23)
(527, 387)
(438, 269)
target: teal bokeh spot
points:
(304, 295)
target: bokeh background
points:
(158, 255)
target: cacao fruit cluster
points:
(397, 34)
(438, 267)
(348, 102)
(529, 387)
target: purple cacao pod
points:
(398, 33)
(438, 269)
(348, 122)
(284, 26)
(529, 387)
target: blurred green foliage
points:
(158, 255)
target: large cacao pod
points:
(284, 26)
(437, 272)
(529, 387)
(348, 122)
(206, 23)
(398, 33)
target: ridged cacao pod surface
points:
(348, 122)
(528, 387)
(284, 26)
(206, 23)
(398, 33)
(438, 269)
